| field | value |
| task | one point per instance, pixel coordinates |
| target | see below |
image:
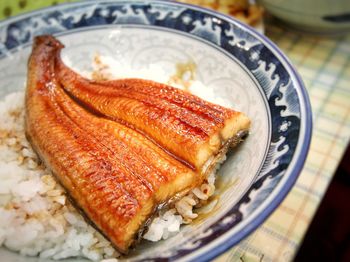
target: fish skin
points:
(164, 174)
(109, 195)
(117, 171)
(183, 124)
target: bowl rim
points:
(306, 125)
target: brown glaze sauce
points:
(221, 186)
(184, 75)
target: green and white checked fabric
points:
(324, 65)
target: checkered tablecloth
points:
(324, 65)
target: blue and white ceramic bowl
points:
(238, 65)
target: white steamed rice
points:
(35, 217)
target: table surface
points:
(324, 65)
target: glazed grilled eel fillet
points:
(188, 127)
(121, 148)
